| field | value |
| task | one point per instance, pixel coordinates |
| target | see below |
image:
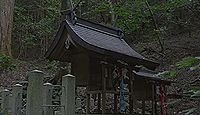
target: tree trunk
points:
(6, 24)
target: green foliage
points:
(196, 94)
(186, 62)
(172, 103)
(170, 73)
(170, 5)
(52, 65)
(6, 62)
(195, 88)
(195, 67)
(133, 16)
(35, 20)
(183, 63)
(132, 19)
(188, 111)
(104, 6)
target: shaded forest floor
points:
(176, 47)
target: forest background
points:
(166, 31)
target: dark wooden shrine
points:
(101, 59)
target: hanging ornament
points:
(124, 73)
(67, 42)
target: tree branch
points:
(155, 26)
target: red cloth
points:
(162, 100)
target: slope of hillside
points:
(177, 47)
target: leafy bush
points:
(194, 91)
(6, 62)
(171, 73)
(186, 62)
(188, 111)
(195, 88)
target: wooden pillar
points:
(99, 102)
(115, 103)
(153, 99)
(154, 103)
(165, 94)
(103, 88)
(88, 103)
(104, 97)
(131, 92)
(166, 98)
(143, 107)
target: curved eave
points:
(150, 77)
(52, 48)
(137, 61)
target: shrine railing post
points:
(5, 100)
(47, 98)
(68, 95)
(17, 99)
(35, 93)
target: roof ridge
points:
(112, 30)
(95, 29)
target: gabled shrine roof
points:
(100, 39)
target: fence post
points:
(34, 93)
(68, 95)
(5, 100)
(17, 99)
(47, 99)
